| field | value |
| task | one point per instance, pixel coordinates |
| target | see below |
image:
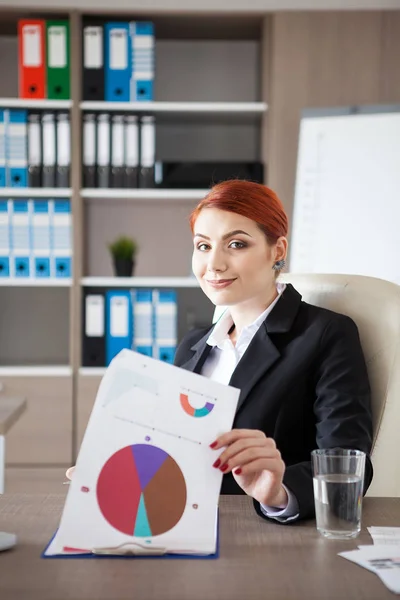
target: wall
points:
(325, 59)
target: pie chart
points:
(141, 491)
(195, 412)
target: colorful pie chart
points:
(195, 412)
(141, 491)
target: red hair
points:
(252, 200)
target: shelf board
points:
(92, 371)
(14, 192)
(142, 194)
(39, 104)
(32, 282)
(177, 107)
(172, 282)
(36, 371)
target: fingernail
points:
(238, 471)
(213, 444)
(223, 468)
(217, 463)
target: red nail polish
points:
(223, 468)
(213, 444)
(238, 471)
(217, 463)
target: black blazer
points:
(303, 382)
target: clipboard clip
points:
(131, 548)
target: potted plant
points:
(123, 251)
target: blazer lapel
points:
(201, 350)
(258, 358)
(262, 353)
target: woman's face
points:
(232, 259)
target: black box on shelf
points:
(192, 175)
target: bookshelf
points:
(216, 111)
(142, 194)
(218, 108)
(35, 104)
(35, 282)
(39, 371)
(7, 192)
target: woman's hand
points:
(256, 465)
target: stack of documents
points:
(144, 481)
(383, 558)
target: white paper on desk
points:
(144, 472)
(385, 535)
(382, 560)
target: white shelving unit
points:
(142, 194)
(32, 282)
(46, 367)
(14, 192)
(176, 282)
(177, 107)
(39, 371)
(92, 371)
(35, 104)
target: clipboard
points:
(102, 553)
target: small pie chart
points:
(195, 412)
(141, 491)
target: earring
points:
(279, 265)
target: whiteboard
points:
(346, 216)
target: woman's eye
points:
(237, 245)
(202, 247)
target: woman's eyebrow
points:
(224, 237)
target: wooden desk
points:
(258, 560)
(10, 411)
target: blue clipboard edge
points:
(130, 556)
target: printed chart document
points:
(144, 481)
(383, 559)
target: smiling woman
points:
(236, 252)
(300, 368)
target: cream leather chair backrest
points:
(374, 305)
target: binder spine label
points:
(32, 50)
(117, 141)
(119, 319)
(94, 310)
(118, 49)
(148, 142)
(4, 228)
(89, 140)
(93, 48)
(49, 140)
(2, 148)
(34, 141)
(132, 141)
(57, 47)
(63, 141)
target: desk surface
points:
(10, 411)
(258, 560)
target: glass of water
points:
(338, 478)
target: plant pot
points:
(124, 267)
